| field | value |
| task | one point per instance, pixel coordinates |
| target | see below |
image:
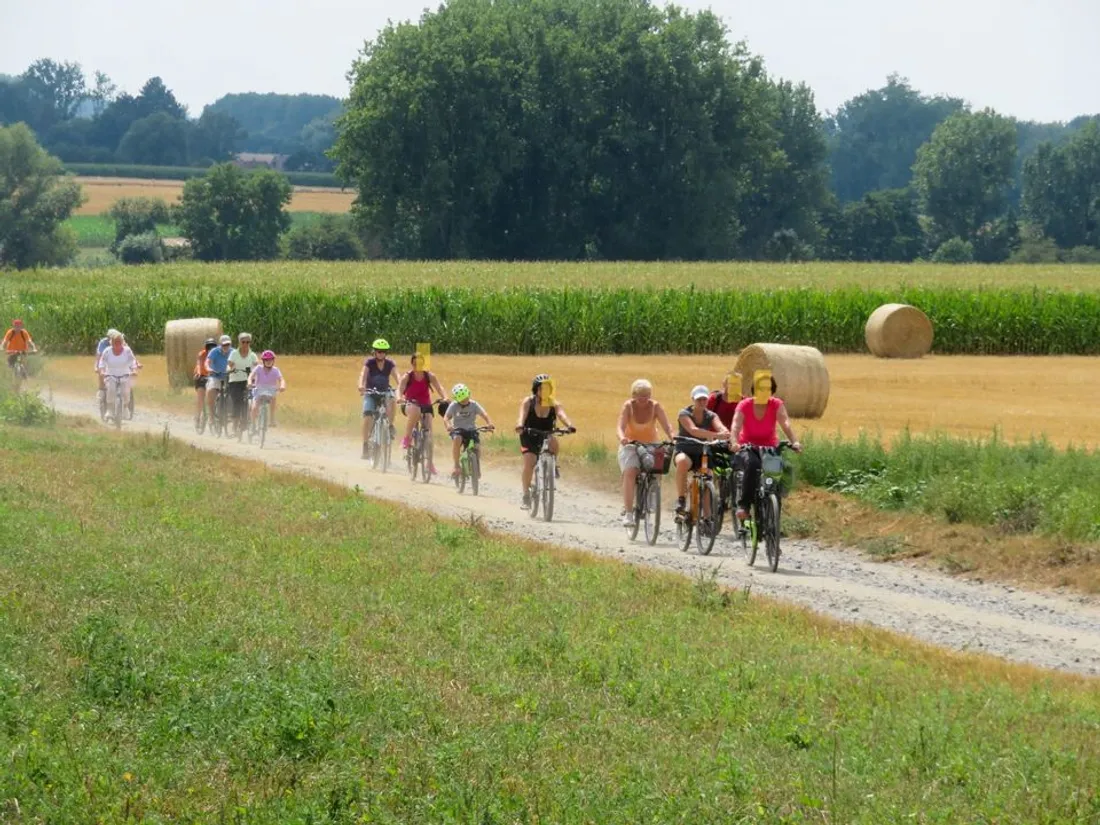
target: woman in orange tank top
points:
(638, 421)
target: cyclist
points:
(242, 361)
(535, 415)
(104, 342)
(17, 343)
(461, 422)
(415, 392)
(754, 424)
(266, 381)
(201, 374)
(695, 421)
(638, 421)
(217, 368)
(377, 374)
(119, 361)
(724, 403)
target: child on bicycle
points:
(265, 382)
(461, 422)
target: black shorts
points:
(200, 382)
(425, 409)
(531, 443)
(692, 451)
(467, 436)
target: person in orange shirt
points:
(17, 343)
(201, 374)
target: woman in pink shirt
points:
(754, 424)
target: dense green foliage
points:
(137, 216)
(301, 126)
(1016, 488)
(296, 310)
(564, 129)
(231, 215)
(1062, 189)
(141, 248)
(158, 664)
(329, 238)
(35, 201)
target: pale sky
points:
(1034, 59)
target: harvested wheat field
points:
(959, 395)
(103, 192)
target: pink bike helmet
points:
(267, 356)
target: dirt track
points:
(1047, 630)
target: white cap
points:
(225, 339)
(699, 391)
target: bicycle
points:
(219, 419)
(542, 482)
(702, 506)
(201, 419)
(418, 456)
(380, 444)
(19, 372)
(655, 461)
(725, 480)
(764, 520)
(469, 460)
(116, 405)
(258, 429)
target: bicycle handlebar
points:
(779, 448)
(705, 443)
(555, 431)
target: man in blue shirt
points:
(217, 364)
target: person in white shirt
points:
(242, 361)
(118, 363)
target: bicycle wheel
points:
(412, 456)
(475, 471)
(463, 470)
(684, 529)
(771, 530)
(548, 489)
(652, 515)
(118, 405)
(752, 531)
(130, 406)
(641, 488)
(200, 419)
(264, 407)
(425, 457)
(103, 404)
(536, 490)
(705, 530)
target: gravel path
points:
(1047, 630)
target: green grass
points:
(327, 308)
(1017, 488)
(318, 657)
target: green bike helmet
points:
(460, 392)
(380, 344)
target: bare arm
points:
(435, 385)
(523, 407)
(688, 424)
(624, 417)
(401, 385)
(561, 414)
(662, 419)
(363, 379)
(738, 424)
(784, 422)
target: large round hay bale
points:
(799, 372)
(898, 331)
(182, 341)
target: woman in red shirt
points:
(723, 404)
(755, 424)
(415, 394)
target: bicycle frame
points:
(542, 481)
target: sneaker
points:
(628, 518)
(405, 443)
(557, 471)
(681, 506)
(526, 505)
(432, 470)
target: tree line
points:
(82, 120)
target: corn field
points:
(572, 320)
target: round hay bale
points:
(799, 372)
(898, 331)
(182, 341)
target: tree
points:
(137, 216)
(874, 137)
(156, 97)
(231, 215)
(331, 238)
(60, 86)
(881, 226)
(102, 94)
(964, 172)
(214, 137)
(158, 139)
(1062, 189)
(562, 129)
(35, 200)
(277, 122)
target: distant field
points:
(103, 192)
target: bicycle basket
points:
(662, 460)
(772, 465)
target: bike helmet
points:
(17, 322)
(209, 343)
(244, 336)
(380, 344)
(460, 392)
(268, 355)
(538, 379)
